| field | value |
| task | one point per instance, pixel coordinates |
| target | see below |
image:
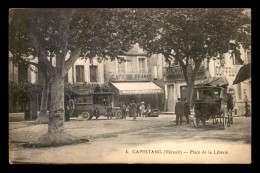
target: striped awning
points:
(133, 88)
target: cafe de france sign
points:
(129, 76)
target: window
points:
(121, 67)
(142, 68)
(239, 92)
(85, 99)
(132, 65)
(183, 90)
(97, 99)
(93, 73)
(80, 73)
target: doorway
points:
(170, 96)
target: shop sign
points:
(227, 71)
(129, 76)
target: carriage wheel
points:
(86, 116)
(118, 115)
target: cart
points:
(92, 105)
(211, 103)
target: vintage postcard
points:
(130, 85)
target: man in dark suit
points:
(179, 111)
(186, 110)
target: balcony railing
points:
(176, 71)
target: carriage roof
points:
(208, 87)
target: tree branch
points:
(72, 59)
(195, 71)
(183, 66)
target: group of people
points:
(134, 110)
(182, 108)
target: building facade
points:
(132, 76)
(228, 67)
(175, 85)
(23, 89)
(135, 76)
(84, 71)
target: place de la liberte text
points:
(192, 152)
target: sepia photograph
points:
(129, 86)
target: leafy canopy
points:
(194, 33)
(105, 33)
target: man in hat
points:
(179, 111)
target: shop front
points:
(139, 91)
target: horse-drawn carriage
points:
(211, 103)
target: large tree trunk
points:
(43, 116)
(56, 116)
(56, 135)
(190, 87)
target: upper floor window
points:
(80, 73)
(93, 73)
(142, 65)
(132, 66)
(121, 67)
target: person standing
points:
(186, 110)
(179, 111)
(67, 112)
(130, 110)
(142, 109)
(123, 110)
(127, 110)
(138, 112)
(247, 111)
(72, 107)
(148, 110)
(134, 109)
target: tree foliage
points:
(194, 34)
(104, 33)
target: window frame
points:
(83, 73)
(90, 79)
(145, 64)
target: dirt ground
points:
(146, 140)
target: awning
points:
(243, 74)
(133, 88)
